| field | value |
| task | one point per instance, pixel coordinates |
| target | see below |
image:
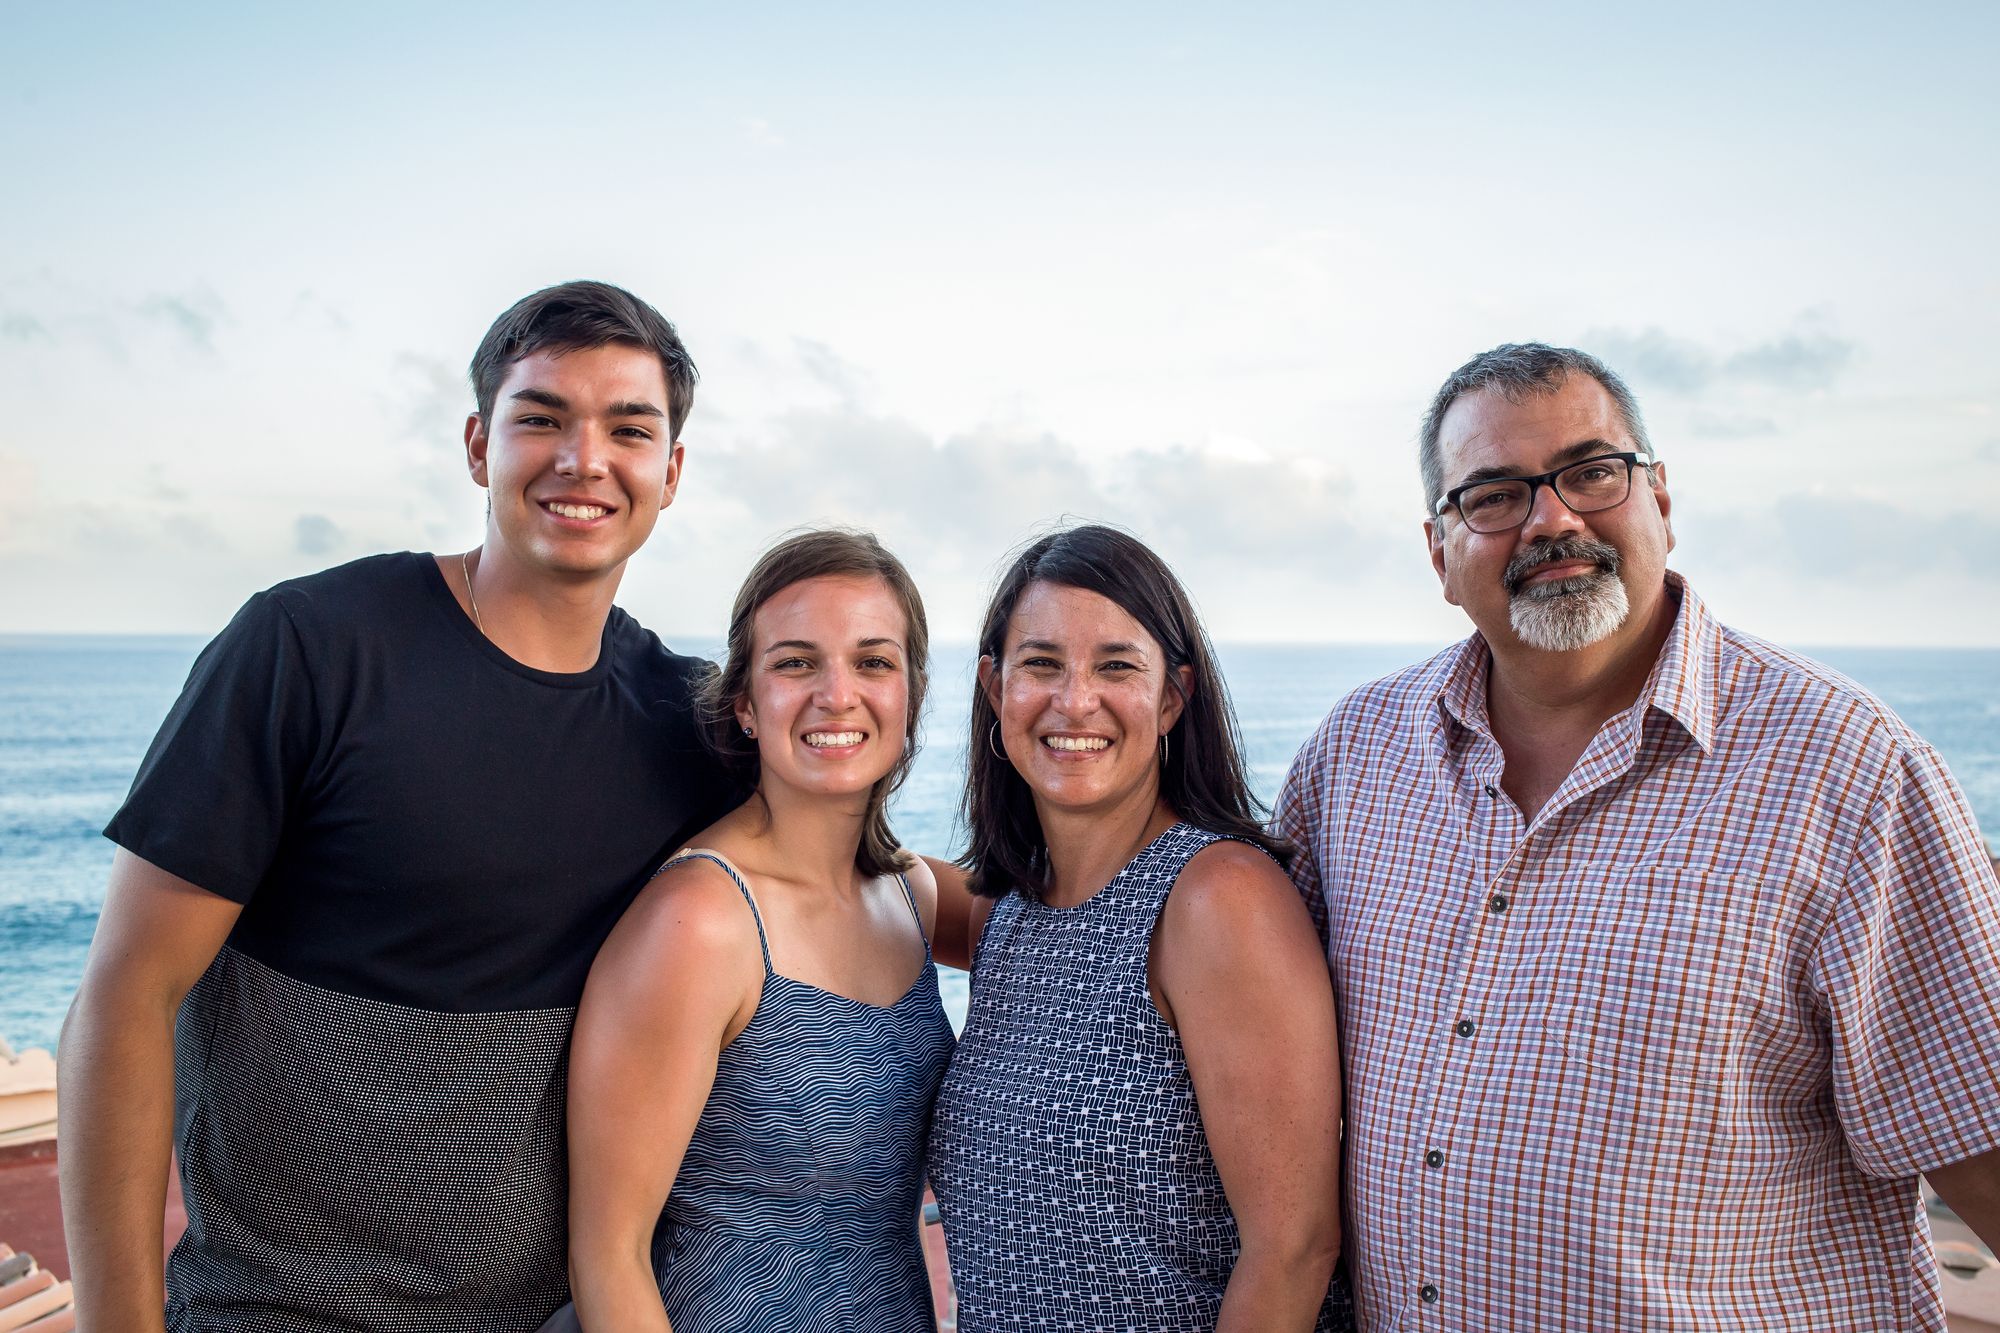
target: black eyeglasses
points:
(1504, 503)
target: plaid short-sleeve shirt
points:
(1671, 1054)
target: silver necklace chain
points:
(466, 570)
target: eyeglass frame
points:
(1631, 458)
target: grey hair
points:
(1517, 370)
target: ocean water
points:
(76, 715)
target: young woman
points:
(761, 1038)
(1140, 1128)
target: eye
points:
(535, 419)
(1118, 665)
(1493, 498)
(1591, 472)
(877, 663)
(1039, 664)
(790, 664)
(638, 434)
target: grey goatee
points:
(1562, 615)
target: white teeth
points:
(1075, 742)
(827, 739)
(579, 511)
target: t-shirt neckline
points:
(448, 606)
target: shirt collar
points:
(1682, 685)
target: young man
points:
(1667, 959)
(367, 862)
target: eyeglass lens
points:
(1498, 506)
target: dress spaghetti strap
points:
(763, 943)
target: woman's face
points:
(1083, 696)
(829, 689)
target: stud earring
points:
(749, 730)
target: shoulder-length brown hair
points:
(1203, 778)
(820, 553)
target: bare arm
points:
(676, 981)
(960, 915)
(1240, 975)
(1972, 1190)
(155, 937)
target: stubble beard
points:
(1563, 615)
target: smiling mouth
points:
(833, 740)
(1076, 744)
(584, 512)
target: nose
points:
(1075, 695)
(584, 452)
(1548, 516)
(836, 691)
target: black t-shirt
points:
(430, 841)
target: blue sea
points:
(76, 715)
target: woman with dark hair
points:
(761, 1038)
(1140, 1128)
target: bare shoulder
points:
(1232, 882)
(691, 914)
(924, 888)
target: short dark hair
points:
(1517, 370)
(819, 553)
(574, 316)
(1203, 779)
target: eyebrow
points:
(1571, 453)
(635, 408)
(793, 645)
(1051, 646)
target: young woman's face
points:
(829, 689)
(1084, 695)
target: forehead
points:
(613, 372)
(1485, 430)
(1073, 617)
(832, 608)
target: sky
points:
(957, 274)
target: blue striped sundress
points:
(795, 1210)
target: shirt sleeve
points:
(1910, 972)
(1299, 819)
(223, 775)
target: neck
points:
(539, 620)
(1087, 848)
(1529, 691)
(807, 837)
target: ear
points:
(1174, 702)
(1663, 500)
(475, 447)
(989, 681)
(745, 717)
(1434, 539)
(673, 482)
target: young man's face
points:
(577, 458)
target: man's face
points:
(577, 459)
(1562, 580)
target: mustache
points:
(1555, 551)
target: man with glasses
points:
(1667, 960)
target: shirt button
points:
(1434, 1158)
(1492, 790)
(1466, 1027)
(1429, 1292)
(1497, 904)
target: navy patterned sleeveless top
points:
(796, 1207)
(1067, 1152)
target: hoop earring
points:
(1163, 750)
(993, 742)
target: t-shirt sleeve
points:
(1909, 969)
(224, 773)
(1299, 819)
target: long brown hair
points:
(820, 553)
(1203, 778)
